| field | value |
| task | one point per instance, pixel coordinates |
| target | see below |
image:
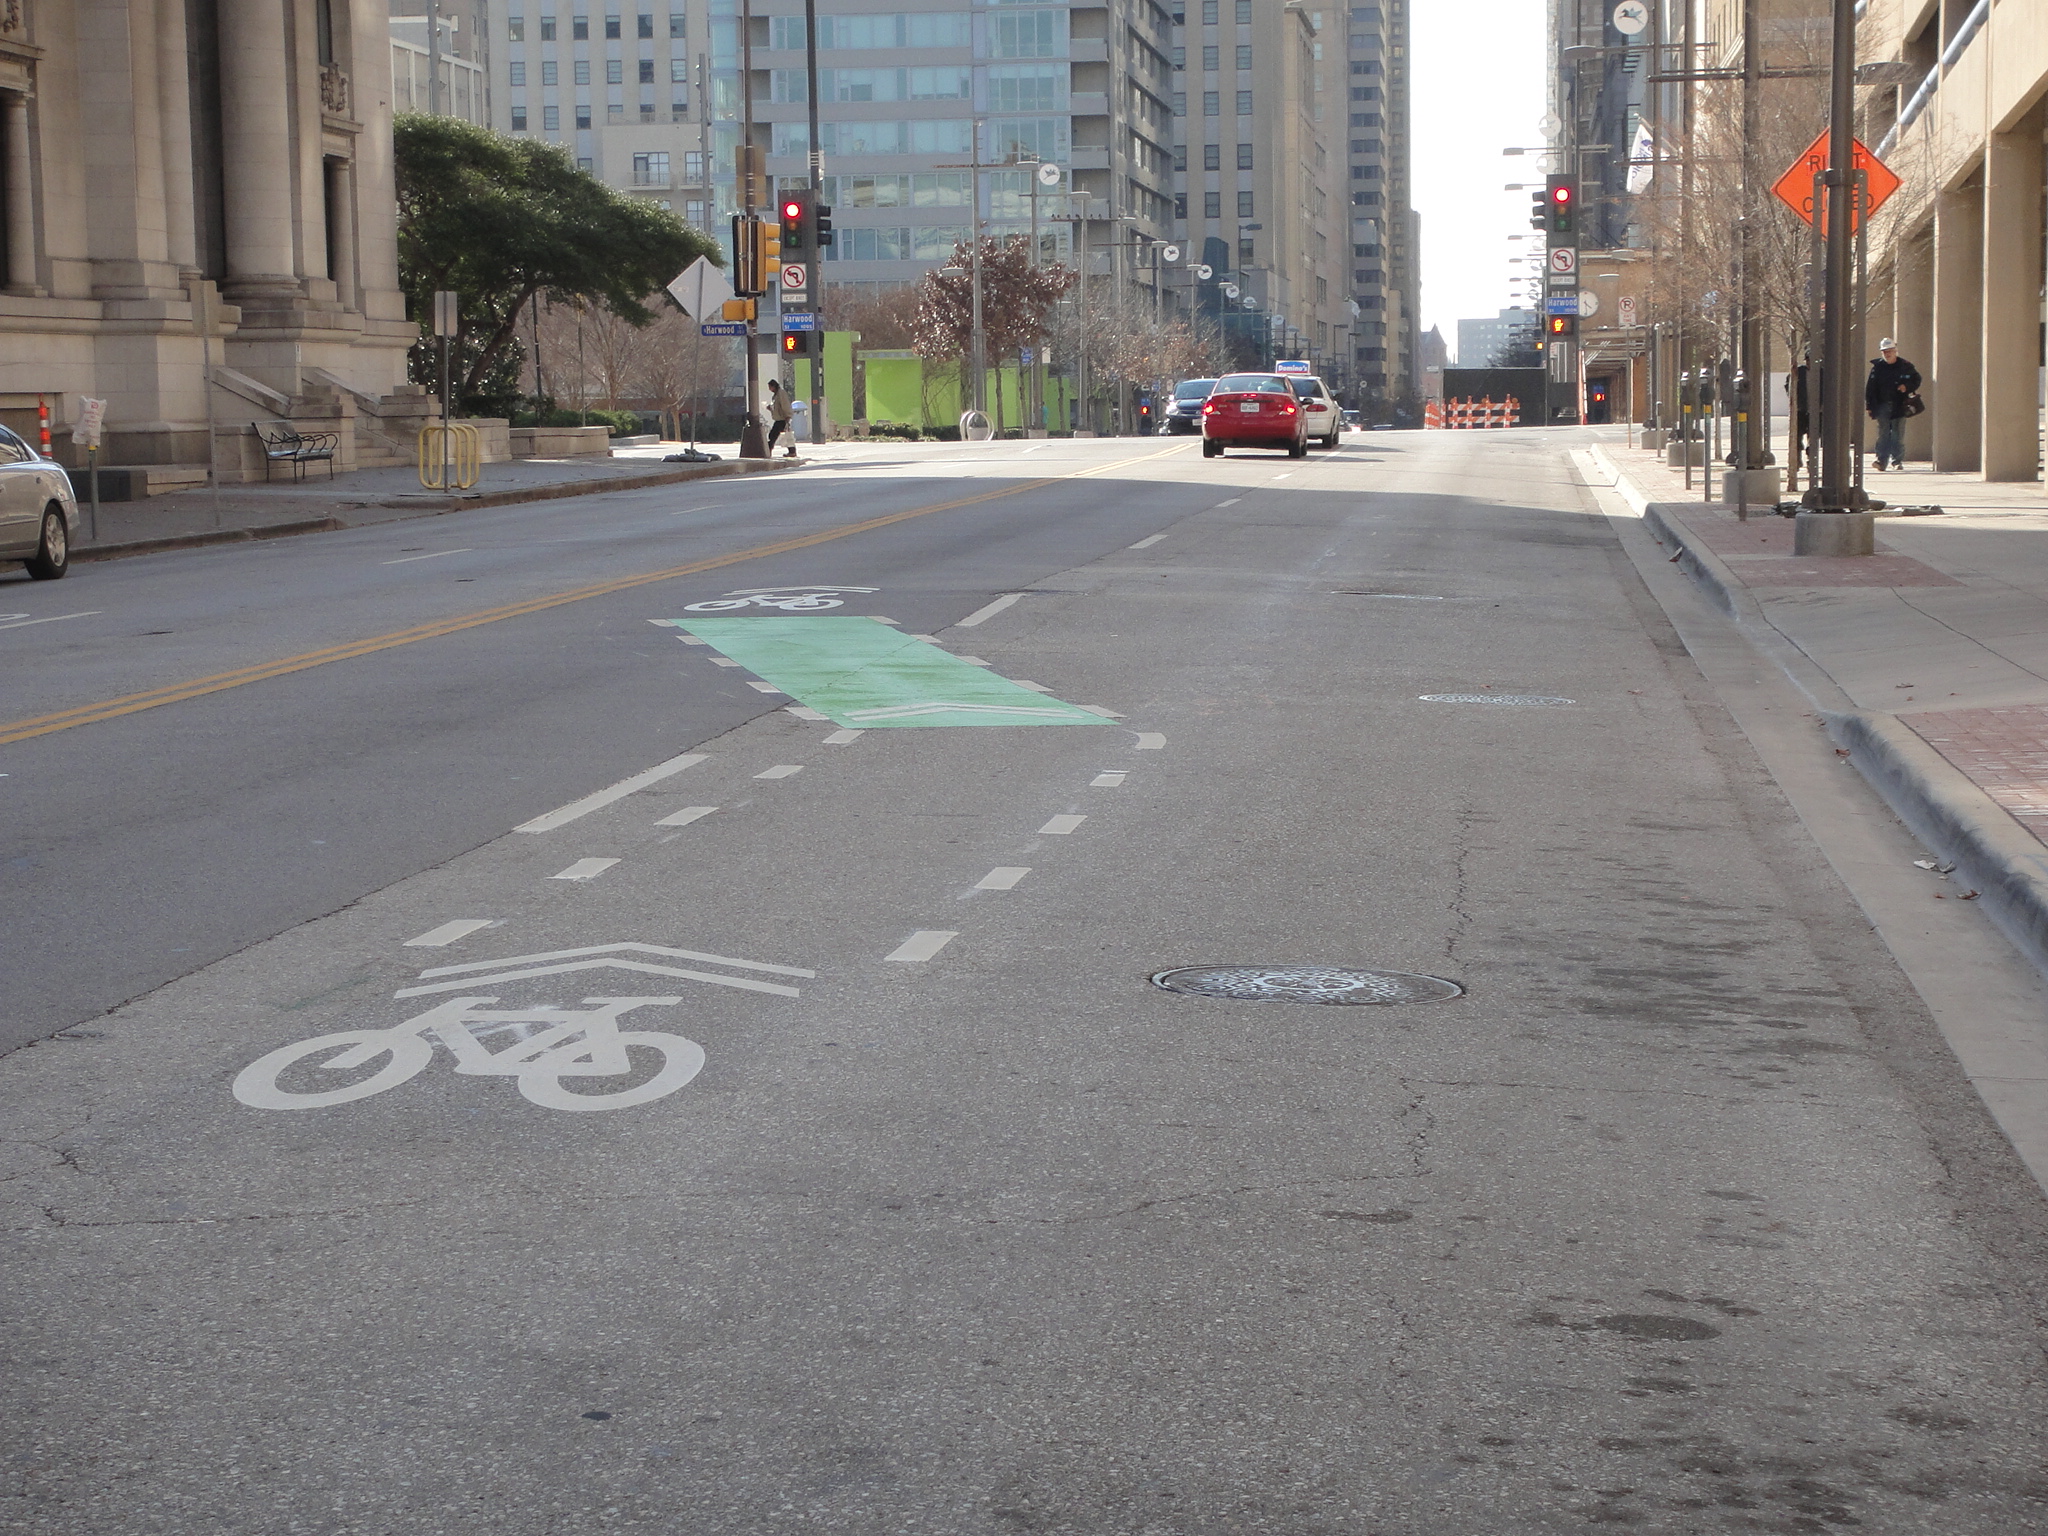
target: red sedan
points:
(1253, 410)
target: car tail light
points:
(1287, 410)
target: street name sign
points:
(799, 320)
(722, 328)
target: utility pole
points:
(752, 444)
(1835, 492)
(434, 58)
(814, 342)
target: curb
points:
(1951, 816)
(423, 507)
(85, 552)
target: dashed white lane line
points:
(437, 554)
(973, 661)
(720, 661)
(782, 771)
(585, 869)
(1100, 709)
(686, 815)
(898, 623)
(922, 945)
(55, 618)
(804, 712)
(605, 797)
(1149, 741)
(707, 507)
(841, 737)
(1034, 687)
(1003, 878)
(1148, 543)
(989, 611)
(1107, 780)
(761, 687)
(1230, 503)
(1284, 475)
(448, 933)
(1060, 826)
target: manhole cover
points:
(1528, 700)
(1305, 984)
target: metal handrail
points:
(1917, 103)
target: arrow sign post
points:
(701, 289)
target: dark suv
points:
(1185, 414)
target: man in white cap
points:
(1885, 395)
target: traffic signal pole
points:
(814, 341)
(1836, 493)
(753, 445)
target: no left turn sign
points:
(794, 277)
(1564, 259)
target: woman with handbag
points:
(1888, 395)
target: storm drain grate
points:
(1526, 700)
(1305, 984)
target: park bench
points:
(285, 443)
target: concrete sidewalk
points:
(1927, 662)
(317, 503)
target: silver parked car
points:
(38, 513)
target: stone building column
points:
(1913, 324)
(21, 199)
(256, 151)
(2013, 166)
(174, 104)
(341, 234)
(1956, 380)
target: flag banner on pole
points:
(1642, 159)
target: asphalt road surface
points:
(795, 1139)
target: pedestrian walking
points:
(778, 413)
(1888, 395)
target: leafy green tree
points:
(500, 220)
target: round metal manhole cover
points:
(1526, 700)
(1339, 984)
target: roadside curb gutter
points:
(1954, 818)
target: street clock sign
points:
(1048, 175)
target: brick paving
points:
(2003, 751)
(1759, 554)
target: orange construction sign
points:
(1795, 187)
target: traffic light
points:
(749, 280)
(1539, 210)
(771, 249)
(1561, 325)
(794, 207)
(821, 225)
(1564, 212)
(792, 343)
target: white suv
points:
(1325, 420)
(38, 513)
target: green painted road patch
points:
(866, 675)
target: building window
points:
(550, 72)
(693, 210)
(1180, 103)
(1365, 173)
(519, 119)
(1212, 205)
(679, 71)
(1244, 157)
(1209, 13)
(1211, 55)
(643, 26)
(679, 111)
(517, 70)
(1247, 253)
(1212, 157)
(1180, 57)
(1212, 103)
(547, 29)
(586, 165)
(651, 170)
(1365, 199)
(551, 119)
(611, 26)
(1365, 120)
(582, 69)
(647, 71)
(582, 114)
(1244, 103)
(515, 28)
(693, 167)
(1244, 13)
(1244, 205)
(1180, 205)
(1244, 55)
(1024, 35)
(615, 112)
(646, 111)
(579, 27)
(615, 71)
(1365, 66)
(676, 26)
(1180, 157)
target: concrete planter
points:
(559, 442)
(1834, 533)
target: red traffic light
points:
(792, 210)
(1560, 194)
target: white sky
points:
(1478, 86)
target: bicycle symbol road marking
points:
(538, 1047)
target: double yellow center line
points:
(198, 687)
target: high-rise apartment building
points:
(912, 93)
(1257, 187)
(1384, 235)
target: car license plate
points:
(1247, 405)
